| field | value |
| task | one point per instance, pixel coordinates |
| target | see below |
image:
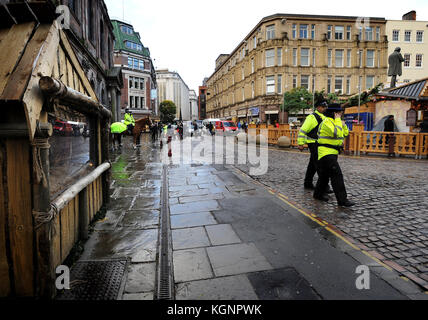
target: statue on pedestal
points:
(395, 69)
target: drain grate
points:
(96, 280)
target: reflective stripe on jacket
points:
(331, 132)
(129, 119)
(310, 124)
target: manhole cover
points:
(282, 284)
(95, 280)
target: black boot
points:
(347, 203)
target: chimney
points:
(410, 15)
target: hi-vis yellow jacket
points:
(310, 124)
(129, 119)
(331, 133)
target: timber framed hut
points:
(54, 138)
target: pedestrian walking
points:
(308, 135)
(331, 135)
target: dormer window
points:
(126, 29)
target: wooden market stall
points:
(52, 182)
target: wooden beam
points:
(75, 62)
(18, 35)
(20, 215)
(4, 265)
(33, 98)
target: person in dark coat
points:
(389, 127)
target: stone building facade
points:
(172, 87)
(285, 51)
(411, 36)
(139, 76)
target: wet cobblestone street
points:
(390, 220)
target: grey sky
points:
(187, 36)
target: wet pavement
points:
(231, 238)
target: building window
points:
(131, 101)
(419, 36)
(377, 33)
(141, 64)
(348, 57)
(270, 84)
(304, 57)
(252, 65)
(370, 58)
(270, 57)
(279, 56)
(369, 33)
(360, 34)
(313, 32)
(314, 57)
(270, 32)
(407, 35)
(313, 83)
(407, 60)
(294, 82)
(329, 84)
(131, 82)
(339, 58)
(329, 58)
(141, 84)
(126, 29)
(329, 30)
(294, 31)
(255, 42)
(304, 82)
(279, 84)
(348, 85)
(243, 94)
(142, 103)
(133, 46)
(396, 35)
(303, 31)
(419, 60)
(339, 32)
(252, 89)
(348, 32)
(294, 56)
(91, 21)
(338, 85)
(243, 72)
(137, 102)
(369, 82)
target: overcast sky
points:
(187, 36)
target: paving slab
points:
(141, 278)
(110, 221)
(237, 259)
(224, 288)
(146, 203)
(222, 234)
(201, 206)
(191, 265)
(192, 220)
(190, 238)
(140, 219)
(138, 296)
(192, 199)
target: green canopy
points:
(118, 127)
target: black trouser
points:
(312, 166)
(329, 169)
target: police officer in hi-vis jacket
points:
(308, 135)
(331, 135)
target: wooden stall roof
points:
(29, 50)
(416, 90)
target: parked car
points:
(63, 128)
(225, 126)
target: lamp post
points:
(283, 111)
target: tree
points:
(168, 111)
(296, 99)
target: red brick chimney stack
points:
(410, 15)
